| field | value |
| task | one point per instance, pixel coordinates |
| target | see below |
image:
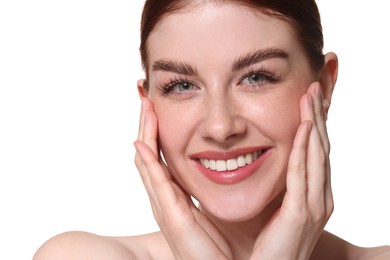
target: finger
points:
(137, 160)
(317, 167)
(150, 128)
(296, 174)
(317, 164)
(141, 119)
(321, 125)
(320, 120)
(145, 176)
(165, 195)
(297, 179)
(148, 134)
(144, 126)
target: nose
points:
(223, 121)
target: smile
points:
(231, 164)
(231, 167)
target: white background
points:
(69, 115)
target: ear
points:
(328, 78)
(142, 88)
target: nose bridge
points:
(222, 117)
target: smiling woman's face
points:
(226, 83)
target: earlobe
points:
(328, 78)
(142, 90)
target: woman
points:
(236, 97)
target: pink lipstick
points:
(230, 167)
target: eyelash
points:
(168, 88)
(269, 77)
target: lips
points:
(231, 167)
(231, 164)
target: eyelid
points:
(167, 89)
(269, 76)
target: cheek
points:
(279, 116)
(287, 118)
(174, 129)
(167, 127)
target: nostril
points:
(222, 120)
(224, 129)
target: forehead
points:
(214, 34)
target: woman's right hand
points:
(189, 233)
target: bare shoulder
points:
(148, 246)
(330, 246)
(83, 245)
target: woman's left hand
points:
(294, 229)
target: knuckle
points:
(321, 214)
(300, 217)
(298, 168)
(327, 147)
(323, 158)
(138, 162)
(319, 217)
(329, 208)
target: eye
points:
(258, 78)
(255, 78)
(184, 86)
(178, 87)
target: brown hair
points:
(303, 14)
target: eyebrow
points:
(242, 62)
(258, 56)
(176, 67)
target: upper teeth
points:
(231, 164)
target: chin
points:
(230, 215)
(241, 209)
(237, 216)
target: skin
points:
(224, 113)
(224, 110)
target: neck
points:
(241, 236)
